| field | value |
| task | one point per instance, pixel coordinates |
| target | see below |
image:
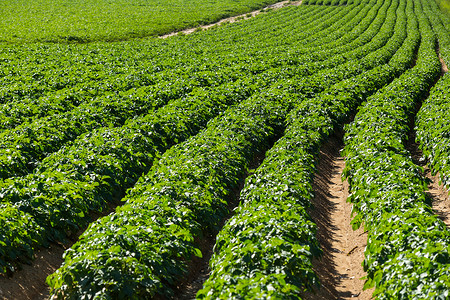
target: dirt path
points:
(444, 66)
(29, 283)
(340, 267)
(199, 269)
(440, 196)
(235, 18)
(437, 192)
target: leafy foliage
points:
(93, 20)
(433, 126)
(80, 124)
(100, 165)
(407, 252)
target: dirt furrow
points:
(339, 270)
(438, 194)
(234, 19)
(444, 66)
(199, 269)
(29, 282)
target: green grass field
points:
(110, 20)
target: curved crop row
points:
(433, 118)
(92, 69)
(89, 242)
(90, 72)
(25, 146)
(96, 168)
(148, 240)
(433, 129)
(99, 166)
(271, 225)
(116, 85)
(408, 246)
(157, 189)
(28, 109)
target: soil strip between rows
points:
(444, 66)
(438, 194)
(29, 282)
(340, 268)
(199, 269)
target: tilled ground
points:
(339, 270)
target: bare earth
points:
(234, 19)
(437, 192)
(339, 270)
(444, 66)
(440, 196)
(29, 283)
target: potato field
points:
(184, 167)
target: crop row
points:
(25, 146)
(187, 188)
(432, 123)
(89, 76)
(141, 250)
(99, 166)
(265, 249)
(148, 240)
(92, 70)
(408, 246)
(96, 168)
(108, 77)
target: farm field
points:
(103, 20)
(204, 165)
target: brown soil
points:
(199, 269)
(444, 66)
(339, 270)
(438, 194)
(235, 18)
(29, 283)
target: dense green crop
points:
(266, 249)
(433, 119)
(445, 6)
(91, 171)
(101, 20)
(172, 126)
(408, 246)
